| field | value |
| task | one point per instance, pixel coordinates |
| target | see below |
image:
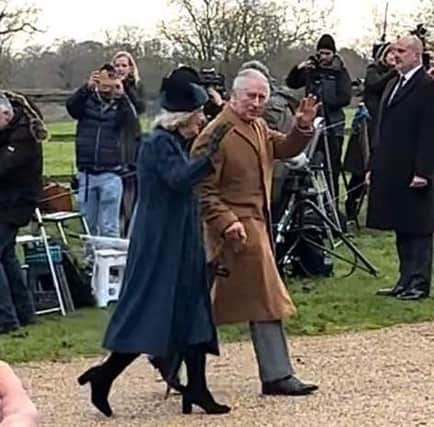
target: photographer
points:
(21, 133)
(102, 109)
(325, 76)
(214, 84)
(378, 75)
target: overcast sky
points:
(84, 19)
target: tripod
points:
(312, 196)
(314, 84)
(356, 162)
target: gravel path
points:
(382, 378)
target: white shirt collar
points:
(409, 74)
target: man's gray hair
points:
(5, 104)
(244, 76)
(172, 120)
(256, 65)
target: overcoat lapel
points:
(248, 132)
(386, 95)
(408, 87)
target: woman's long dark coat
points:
(403, 148)
(164, 305)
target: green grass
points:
(59, 158)
(62, 128)
(325, 306)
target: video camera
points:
(421, 33)
(210, 78)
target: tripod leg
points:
(368, 265)
(330, 203)
(321, 194)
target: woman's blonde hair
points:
(172, 120)
(132, 63)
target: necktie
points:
(397, 89)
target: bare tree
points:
(77, 60)
(220, 30)
(307, 20)
(16, 20)
(393, 23)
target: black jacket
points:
(20, 163)
(98, 136)
(131, 130)
(332, 85)
(376, 79)
(404, 147)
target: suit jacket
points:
(404, 147)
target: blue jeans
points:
(99, 199)
(16, 300)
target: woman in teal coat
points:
(164, 307)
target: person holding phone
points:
(101, 108)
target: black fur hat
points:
(181, 91)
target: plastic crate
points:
(45, 300)
(35, 254)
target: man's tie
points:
(397, 89)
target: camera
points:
(313, 61)
(421, 33)
(210, 78)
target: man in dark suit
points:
(402, 170)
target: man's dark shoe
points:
(412, 295)
(390, 292)
(290, 386)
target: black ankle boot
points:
(197, 392)
(101, 379)
(203, 400)
(99, 387)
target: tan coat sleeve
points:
(215, 212)
(291, 144)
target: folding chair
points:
(60, 284)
